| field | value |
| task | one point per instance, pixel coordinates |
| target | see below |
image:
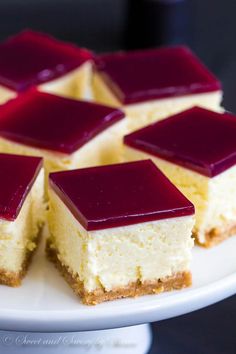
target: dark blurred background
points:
(209, 28)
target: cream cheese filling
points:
(141, 114)
(6, 94)
(18, 236)
(115, 257)
(76, 84)
(214, 198)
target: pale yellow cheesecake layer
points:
(76, 84)
(142, 114)
(6, 94)
(113, 258)
(214, 198)
(18, 237)
(103, 149)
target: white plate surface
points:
(46, 303)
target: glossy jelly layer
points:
(198, 139)
(158, 73)
(54, 123)
(119, 195)
(17, 175)
(32, 58)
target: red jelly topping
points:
(32, 58)
(159, 73)
(201, 140)
(118, 195)
(17, 175)
(54, 123)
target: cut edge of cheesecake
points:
(209, 237)
(94, 261)
(216, 235)
(143, 113)
(14, 279)
(177, 281)
(76, 84)
(21, 233)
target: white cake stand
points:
(44, 316)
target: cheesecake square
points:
(196, 149)
(119, 230)
(152, 84)
(35, 59)
(21, 214)
(67, 133)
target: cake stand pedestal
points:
(43, 316)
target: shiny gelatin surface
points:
(198, 139)
(32, 58)
(54, 123)
(17, 175)
(158, 73)
(118, 195)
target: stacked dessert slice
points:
(119, 230)
(35, 59)
(196, 149)
(21, 214)
(152, 84)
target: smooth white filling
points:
(144, 113)
(6, 94)
(76, 84)
(214, 198)
(112, 258)
(16, 237)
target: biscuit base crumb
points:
(216, 235)
(14, 279)
(134, 289)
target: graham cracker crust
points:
(134, 289)
(216, 235)
(14, 279)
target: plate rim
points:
(97, 318)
